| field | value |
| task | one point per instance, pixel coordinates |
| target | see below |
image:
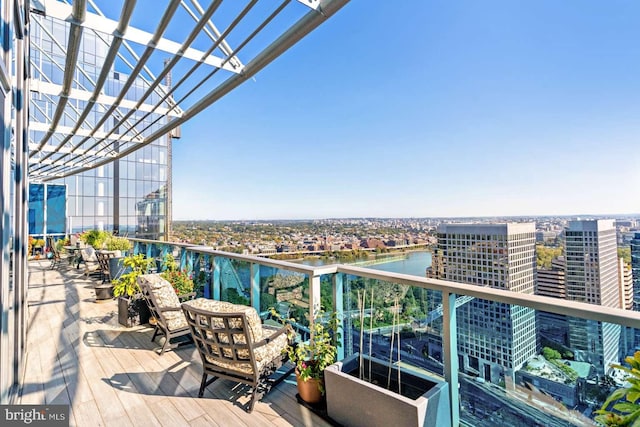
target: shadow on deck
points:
(78, 354)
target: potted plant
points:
(132, 309)
(95, 238)
(622, 407)
(313, 356)
(180, 280)
(115, 243)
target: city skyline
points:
(457, 110)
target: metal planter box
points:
(353, 402)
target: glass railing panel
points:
(393, 322)
(519, 366)
(288, 293)
(235, 281)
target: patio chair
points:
(164, 306)
(103, 262)
(233, 344)
(53, 250)
(90, 260)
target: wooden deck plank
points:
(111, 375)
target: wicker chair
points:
(164, 306)
(233, 344)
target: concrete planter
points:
(353, 402)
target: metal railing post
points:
(450, 350)
(255, 286)
(215, 280)
(338, 306)
(314, 299)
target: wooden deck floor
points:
(79, 355)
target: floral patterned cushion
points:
(253, 319)
(88, 254)
(162, 290)
(263, 354)
(165, 297)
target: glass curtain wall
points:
(129, 196)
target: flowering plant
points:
(180, 280)
(313, 356)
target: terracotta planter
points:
(309, 390)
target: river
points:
(415, 263)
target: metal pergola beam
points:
(105, 25)
(79, 11)
(90, 128)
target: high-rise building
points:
(494, 339)
(592, 277)
(131, 195)
(625, 284)
(550, 282)
(635, 270)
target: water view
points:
(414, 263)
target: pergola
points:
(67, 109)
(182, 58)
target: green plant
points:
(61, 243)
(312, 357)
(169, 263)
(180, 280)
(622, 407)
(127, 284)
(115, 243)
(95, 238)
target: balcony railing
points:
(433, 315)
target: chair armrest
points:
(186, 297)
(163, 309)
(283, 330)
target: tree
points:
(550, 354)
(544, 255)
(625, 254)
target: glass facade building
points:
(494, 339)
(591, 276)
(130, 196)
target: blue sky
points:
(429, 108)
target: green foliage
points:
(232, 296)
(550, 354)
(115, 243)
(622, 407)
(625, 254)
(127, 284)
(95, 238)
(571, 374)
(61, 243)
(180, 280)
(313, 356)
(544, 255)
(198, 283)
(169, 263)
(267, 301)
